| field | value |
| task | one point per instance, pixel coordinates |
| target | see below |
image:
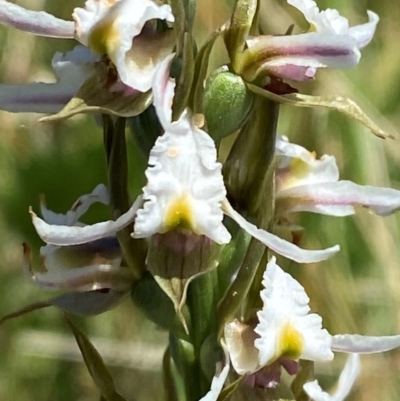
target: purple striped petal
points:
(296, 57)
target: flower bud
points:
(227, 104)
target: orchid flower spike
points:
(92, 266)
(286, 331)
(329, 43)
(307, 184)
(185, 190)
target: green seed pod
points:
(227, 104)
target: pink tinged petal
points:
(364, 33)
(272, 54)
(277, 244)
(79, 208)
(354, 343)
(89, 303)
(71, 70)
(35, 97)
(285, 326)
(36, 22)
(65, 235)
(346, 382)
(87, 267)
(338, 199)
(164, 92)
(219, 379)
(239, 338)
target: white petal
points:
(218, 380)
(36, 22)
(363, 33)
(79, 208)
(346, 382)
(355, 343)
(329, 21)
(338, 199)
(111, 28)
(284, 323)
(65, 235)
(297, 166)
(277, 244)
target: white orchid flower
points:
(346, 382)
(120, 29)
(92, 266)
(71, 69)
(305, 183)
(286, 330)
(124, 30)
(185, 190)
(329, 43)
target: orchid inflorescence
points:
(203, 237)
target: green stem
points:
(114, 141)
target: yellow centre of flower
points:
(104, 37)
(291, 342)
(179, 214)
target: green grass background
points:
(358, 291)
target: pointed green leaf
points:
(157, 306)
(240, 25)
(95, 365)
(200, 71)
(338, 103)
(180, 23)
(174, 267)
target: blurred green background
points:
(358, 291)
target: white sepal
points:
(277, 244)
(355, 343)
(346, 382)
(74, 235)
